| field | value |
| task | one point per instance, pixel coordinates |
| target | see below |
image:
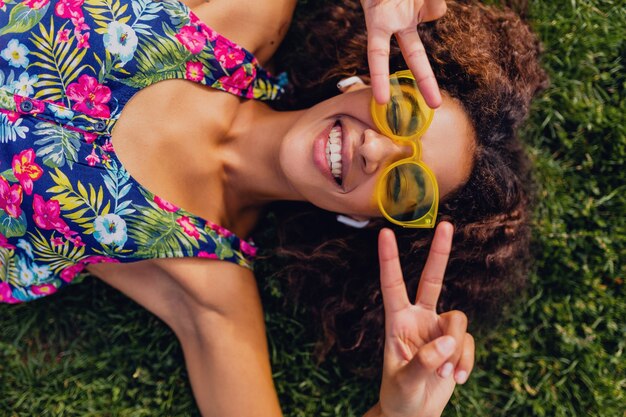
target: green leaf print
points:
(23, 18)
(157, 233)
(57, 146)
(60, 62)
(6, 97)
(81, 205)
(56, 257)
(158, 58)
(117, 181)
(104, 12)
(8, 269)
(264, 90)
(8, 175)
(223, 251)
(11, 226)
(177, 11)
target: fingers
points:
(417, 60)
(433, 10)
(432, 276)
(466, 363)
(378, 61)
(431, 356)
(395, 297)
(454, 324)
(436, 356)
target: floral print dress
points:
(67, 68)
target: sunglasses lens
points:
(406, 114)
(409, 193)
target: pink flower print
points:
(1, 5)
(56, 241)
(12, 116)
(10, 198)
(6, 295)
(92, 159)
(35, 4)
(239, 80)
(165, 205)
(228, 54)
(105, 158)
(64, 229)
(90, 97)
(99, 259)
(68, 8)
(247, 248)
(83, 40)
(207, 255)
(44, 289)
(188, 227)
(79, 24)
(69, 273)
(63, 35)
(26, 170)
(194, 71)
(47, 214)
(207, 31)
(4, 242)
(77, 241)
(191, 39)
(108, 146)
(220, 230)
(90, 137)
(193, 19)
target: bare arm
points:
(226, 349)
(215, 311)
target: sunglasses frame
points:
(428, 219)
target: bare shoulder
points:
(211, 284)
(176, 289)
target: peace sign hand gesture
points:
(399, 18)
(426, 354)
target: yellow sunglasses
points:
(407, 190)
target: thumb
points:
(431, 356)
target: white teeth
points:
(333, 151)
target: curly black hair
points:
(487, 58)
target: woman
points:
(494, 73)
(72, 204)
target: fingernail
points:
(446, 370)
(347, 82)
(461, 377)
(445, 345)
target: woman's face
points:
(343, 125)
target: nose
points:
(378, 150)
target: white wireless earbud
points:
(349, 221)
(347, 82)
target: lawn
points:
(89, 351)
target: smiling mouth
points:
(333, 152)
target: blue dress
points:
(67, 69)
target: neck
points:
(253, 175)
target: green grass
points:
(89, 351)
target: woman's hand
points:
(384, 18)
(426, 354)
